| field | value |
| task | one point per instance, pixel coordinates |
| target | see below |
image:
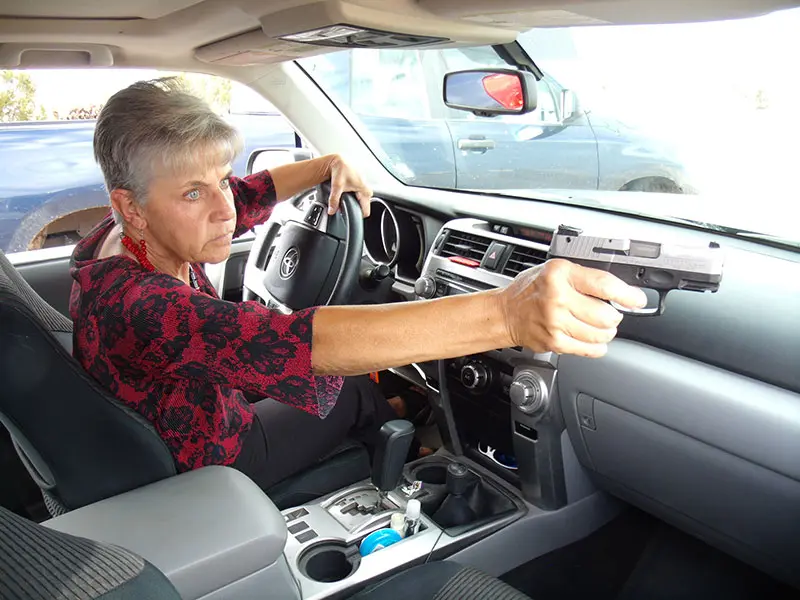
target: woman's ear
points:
(125, 204)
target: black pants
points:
(285, 440)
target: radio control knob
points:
(528, 392)
(425, 287)
(474, 376)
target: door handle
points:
(472, 144)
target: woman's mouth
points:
(223, 237)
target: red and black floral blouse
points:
(181, 356)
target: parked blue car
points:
(560, 145)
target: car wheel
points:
(658, 185)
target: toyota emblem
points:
(289, 263)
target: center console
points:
(328, 547)
(498, 405)
(217, 536)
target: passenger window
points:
(51, 190)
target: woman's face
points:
(191, 217)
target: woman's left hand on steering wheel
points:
(345, 179)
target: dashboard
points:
(751, 326)
(693, 415)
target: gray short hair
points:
(158, 124)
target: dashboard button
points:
(425, 287)
(314, 214)
(493, 256)
(528, 392)
(474, 376)
(306, 536)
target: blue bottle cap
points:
(378, 540)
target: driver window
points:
(52, 191)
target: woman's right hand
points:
(559, 307)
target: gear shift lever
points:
(390, 454)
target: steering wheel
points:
(302, 257)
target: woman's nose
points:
(224, 209)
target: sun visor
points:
(338, 24)
(52, 55)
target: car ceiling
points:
(239, 38)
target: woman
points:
(150, 327)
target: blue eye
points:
(225, 183)
(193, 195)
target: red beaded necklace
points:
(140, 252)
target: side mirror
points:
(491, 92)
(269, 158)
(569, 105)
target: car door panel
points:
(47, 272)
(504, 155)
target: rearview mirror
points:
(490, 92)
(269, 158)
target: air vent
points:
(523, 258)
(465, 245)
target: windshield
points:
(691, 121)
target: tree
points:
(17, 97)
(84, 112)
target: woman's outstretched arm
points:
(554, 307)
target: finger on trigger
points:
(629, 296)
(607, 286)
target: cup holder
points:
(431, 474)
(329, 562)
